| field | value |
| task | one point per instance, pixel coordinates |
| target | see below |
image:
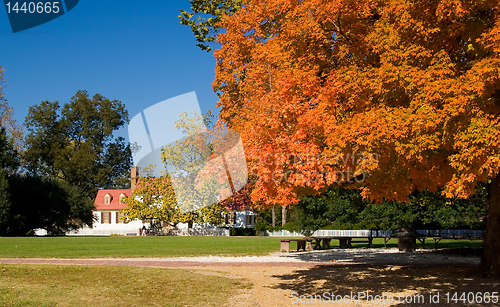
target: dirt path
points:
(283, 283)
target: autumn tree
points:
(316, 88)
(186, 159)
(187, 192)
(199, 167)
(76, 143)
(153, 198)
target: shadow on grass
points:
(418, 282)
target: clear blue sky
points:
(133, 51)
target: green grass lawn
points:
(94, 247)
(121, 247)
(54, 285)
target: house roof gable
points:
(115, 199)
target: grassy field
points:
(121, 247)
(51, 285)
(94, 247)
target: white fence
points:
(165, 232)
(447, 233)
(198, 232)
(450, 233)
(321, 233)
(102, 232)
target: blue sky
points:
(133, 51)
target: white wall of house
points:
(106, 229)
(244, 219)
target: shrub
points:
(291, 227)
(243, 232)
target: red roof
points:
(236, 206)
(115, 199)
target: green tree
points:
(186, 159)
(46, 203)
(337, 208)
(189, 163)
(341, 208)
(76, 143)
(9, 160)
(441, 212)
(7, 121)
(8, 165)
(204, 19)
(389, 215)
(5, 203)
(153, 198)
(213, 214)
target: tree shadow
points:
(394, 281)
(392, 257)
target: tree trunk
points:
(283, 216)
(274, 218)
(190, 224)
(491, 240)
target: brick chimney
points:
(134, 174)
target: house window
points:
(248, 220)
(105, 217)
(107, 199)
(119, 217)
(122, 198)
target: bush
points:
(338, 226)
(243, 232)
(261, 226)
(291, 227)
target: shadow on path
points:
(416, 281)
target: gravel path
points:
(276, 277)
(367, 256)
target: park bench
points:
(344, 242)
(302, 244)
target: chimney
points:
(134, 174)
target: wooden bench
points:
(344, 242)
(304, 244)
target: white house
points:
(109, 202)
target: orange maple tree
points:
(390, 96)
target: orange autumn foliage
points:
(317, 88)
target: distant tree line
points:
(29, 201)
(49, 178)
(341, 208)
